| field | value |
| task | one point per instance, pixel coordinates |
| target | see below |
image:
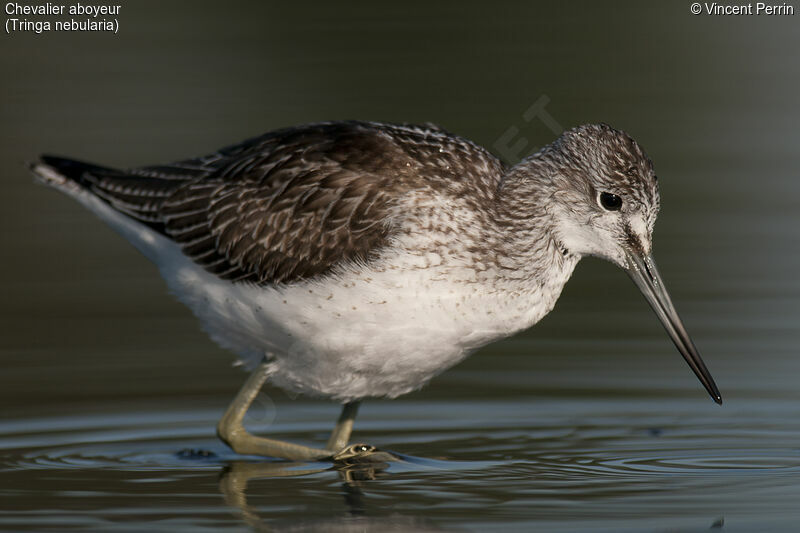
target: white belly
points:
(372, 334)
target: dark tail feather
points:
(75, 170)
(136, 196)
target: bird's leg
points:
(349, 454)
(232, 432)
(340, 435)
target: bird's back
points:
(295, 203)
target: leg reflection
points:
(235, 477)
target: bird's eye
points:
(610, 202)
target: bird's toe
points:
(363, 453)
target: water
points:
(109, 393)
(559, 464)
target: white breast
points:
(366, 333)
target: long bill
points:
(643, 272)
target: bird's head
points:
(604, 194)
(603, 202)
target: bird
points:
(348, 260)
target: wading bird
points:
(348, 260)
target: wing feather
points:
(292, 204)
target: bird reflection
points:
(236, 475)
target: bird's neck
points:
(515, 266)
(517, 254)
(524, 219)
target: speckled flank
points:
(362, 259)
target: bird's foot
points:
(363, 453)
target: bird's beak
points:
(642, 270)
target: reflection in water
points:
(236, 475)
(353, 470)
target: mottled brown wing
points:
(290, 206)
(294, 203)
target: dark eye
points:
(610, 202)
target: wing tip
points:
(71, 169)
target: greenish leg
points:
(232, 432)
(344, 426)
